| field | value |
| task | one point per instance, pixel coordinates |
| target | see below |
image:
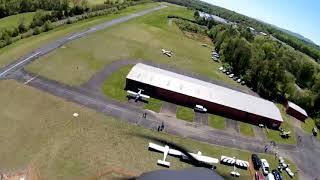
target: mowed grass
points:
(13, 21)
(216, 121)
(142, 38)
(114, 85)
(22, 47)
(185, 113)
(39, 129)
(308, 126)
(246, 129)
(153, 105)
(274, 135)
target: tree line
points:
(273, 70)
(310, 49)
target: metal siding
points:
(203, 90)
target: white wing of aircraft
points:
(167, 151)
(138, 95)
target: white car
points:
(231, 75)
(265, 166)
(200, 108)
(220, 68)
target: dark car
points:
(256, 161)
(259, 176)
(276, 174)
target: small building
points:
(296, 111)
(188, 91)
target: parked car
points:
(228, 72)
(256, 161)
(276, 174)
(221, 68)
(231, 75)
(270, 177)
(265, 166)
(259, 176)
(200, 108)
(224, 70)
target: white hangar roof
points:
(297, 108)
(203, 90)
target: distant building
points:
(188, 91)
(252, 30)
(207, 16)
(296, 111)
(263, 34)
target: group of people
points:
(161, 127)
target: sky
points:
(300, 16)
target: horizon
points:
(294, 15)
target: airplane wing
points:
(144, 96)
(156, 147)
(174, 152)
(131, 93)
(205, 159)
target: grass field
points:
(246, 129)
(22, 47)
(114, 85)
(185, 113)
(216, 121)
(13, 21)
(142, 38)
(308, 125)
(153, 105)
(286, 125)
(39, 128)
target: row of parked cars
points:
(264, 165)
(231, 75)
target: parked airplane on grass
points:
(138, 95)
(167, 151)
(168, 53)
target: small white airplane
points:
(138, 95)
(168, 53)
(167, 151)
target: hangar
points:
(296, 111)
(188, 91)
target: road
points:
(23, 61)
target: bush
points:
(22, 27)
(47, 26)
(27, 34)
(36, 30)
(2, 43)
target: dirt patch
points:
(31, 173)
(198, 37)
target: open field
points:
(39, 128)
(216, 121)
(185, 113)
(286, 125)
(142, 38)
(114, 85)
(24, 46)
(246, 129)
(13, 21)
